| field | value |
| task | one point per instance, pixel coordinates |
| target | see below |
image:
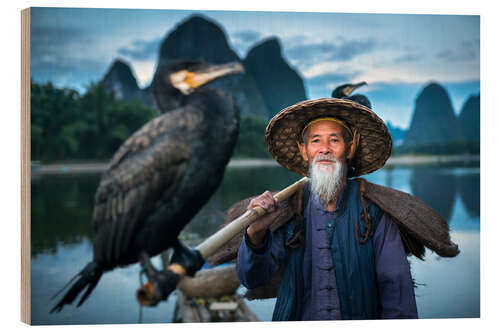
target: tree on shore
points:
(68, 126)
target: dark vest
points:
(354, 263)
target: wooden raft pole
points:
(221, 237)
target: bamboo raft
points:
(210, 296)
(201, 310)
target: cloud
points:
(350, 49)
(407, 58)
(472, 44)
(58, 55)
(55, 34)
(466, 51)
(308, 54)
(446, 54)
(246, 36)
(329, 79)
(322, 85)
(243, 40)
(312, 50)
(61, 55)
(48, 41)
(141, 49)
(398, 91)
(471, 49)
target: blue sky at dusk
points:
(396, 54)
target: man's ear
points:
(351, 150)
(302, 148)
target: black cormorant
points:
(345, 91)
(164, 173)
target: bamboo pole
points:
(145, 294)
(221, 237)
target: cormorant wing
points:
(142, 174)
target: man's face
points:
(325, 139)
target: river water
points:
(61, 242)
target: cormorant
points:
(164, 173)
(345, 90)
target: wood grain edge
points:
(25, 168)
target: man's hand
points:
(257, 230)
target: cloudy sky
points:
(396, 54)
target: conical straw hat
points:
(284, 132)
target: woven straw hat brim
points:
(284, 130)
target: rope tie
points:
(362, 239)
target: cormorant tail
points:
(88, 277)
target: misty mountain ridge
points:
(278, 83)
(271, 84)
(434, 121)
(257, 92)
(121, 81)
(469, 118)
(397, 133)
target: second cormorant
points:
(345, 91)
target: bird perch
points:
(147, 294)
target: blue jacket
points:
(362, 271)
(353, 262)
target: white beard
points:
(327, 179)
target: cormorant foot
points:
(163, 282)
(190, 259)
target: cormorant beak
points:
(212, 72)
(349, 89)
(186, 81)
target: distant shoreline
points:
(431, 159)
(98, 167)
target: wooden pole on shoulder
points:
(221, 237)
(145, 294)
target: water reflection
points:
(61, 242)
(469, 191)
(435, 188)
(61, 207)
(439, 187)
(238, 183)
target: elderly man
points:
(343, 258)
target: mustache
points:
(325, 158)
